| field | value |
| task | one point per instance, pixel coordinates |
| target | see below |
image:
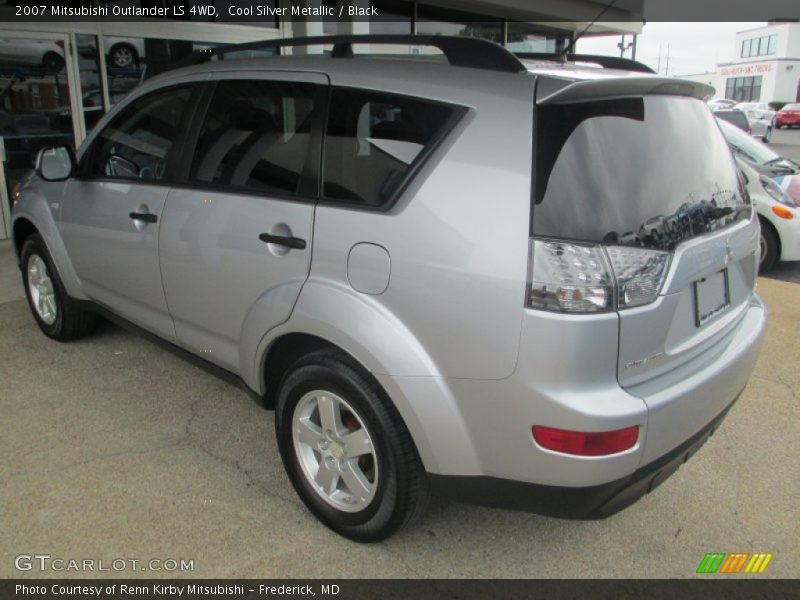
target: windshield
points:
(650, 172)
(745, 146)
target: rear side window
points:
(256, 135)
(374, 141)
(137, 142)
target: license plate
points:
(712, 297)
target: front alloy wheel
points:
(56, 314)
(40, 287)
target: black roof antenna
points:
(565, 51)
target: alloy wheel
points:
(335, 450)
(40, 286)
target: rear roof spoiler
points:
(616, 87)
(608, 62)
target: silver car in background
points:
(523, 283)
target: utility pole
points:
(633, 51)
(666, 70)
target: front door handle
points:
(283, 240)
(146, 217)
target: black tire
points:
(770, 248)
(767, 135)
(71, 322)
(52, 61)
(402, 489)
(122, 56)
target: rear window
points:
(792, 107)
(647, 172)
(374, 141)
(736, 117)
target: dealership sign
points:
(753, 69)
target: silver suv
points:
(514, 281)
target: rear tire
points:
(770, 248)
(767, 135)
(318, 458)
(55, 312)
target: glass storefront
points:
(35, 106)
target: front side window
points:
(137, 142)
(374, 140)
(256, 135)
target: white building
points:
(766, 67)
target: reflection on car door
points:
(236, 240)
(110, 214)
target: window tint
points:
(372, 142)
(137, 142)
(649, 172)
(256, 134)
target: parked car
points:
(760, 125)
(357, 240)
(721, 104)
(735, 117)
(43, 53)
(762, 107)
(779, 215)
(774, 185)
(788, 116)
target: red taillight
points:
(586, 443)
(750, 131)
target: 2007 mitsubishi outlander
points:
(521, 282)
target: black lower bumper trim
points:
(595, 502)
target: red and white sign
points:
(751, 69)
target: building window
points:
(760, 46)
(432, 20)
(743, 89)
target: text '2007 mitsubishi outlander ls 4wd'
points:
(521, 282)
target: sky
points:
(692, 47)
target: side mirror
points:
(55, 163)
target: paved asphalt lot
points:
(114, 448)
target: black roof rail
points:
(459, 51)
(608, 62)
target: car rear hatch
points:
(635, 179)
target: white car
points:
(762, 107)
(779, 217)
(721, 103)
(41, 53)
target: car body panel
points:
(788, 230)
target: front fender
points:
(33, 206)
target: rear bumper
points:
(595, 502)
